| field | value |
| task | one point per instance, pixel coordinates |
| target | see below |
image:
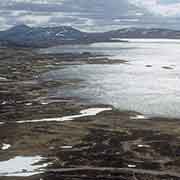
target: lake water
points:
(152, 90)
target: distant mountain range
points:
(25, 36)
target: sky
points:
(91, 15)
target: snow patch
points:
(66, 147)
(143, 146)
(83, 113)
(4, 102)
(131, 166)
(138, 117)
(21, 166)
(60, 34)
(28, 104)
(5, 147)
(3, 79)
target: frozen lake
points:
(149, 83)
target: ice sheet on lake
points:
(151, 91)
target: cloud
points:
(83, 14)
(34, 19)
(164, 8)
(90, 15)
(12, 2)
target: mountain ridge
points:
(37, 37)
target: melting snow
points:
(138, 117)
(21, 166)
(83, 113)
(3, 79)
(66, 147)
(5, 146)
(145, 146)
(4, 102)
(131, 166)
(44, 103)
(28, 104)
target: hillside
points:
(35, 37)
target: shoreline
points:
(116, 139)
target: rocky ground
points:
(110, 145)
